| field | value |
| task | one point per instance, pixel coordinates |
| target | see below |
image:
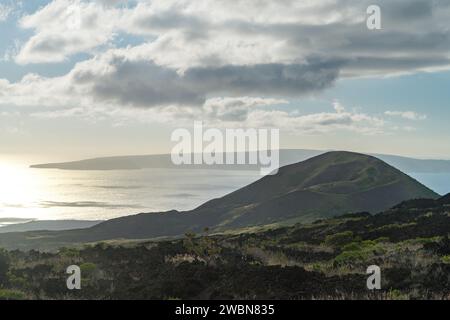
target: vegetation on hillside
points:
(323, 260)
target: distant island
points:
(287, 157)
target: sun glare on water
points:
(19, 191)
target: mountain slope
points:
(331, 184)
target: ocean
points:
(46, 194)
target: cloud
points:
(410, 115)
(232, 62)
(318, 123)
(248, 112)
(338, 107)
(235, 109)
(124, 77)
(239, 112)
(64, 28)
(145, 84)
(184, 34)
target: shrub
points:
(339, 239)
(69, 252)
(11, 295)
(88, 268)
(17, 282)
(349, 257)
(446, 259)
(382, 240)
(397, 295)
(357, 252)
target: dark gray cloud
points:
(407, 10)
(145, 84)
(270, 79)
(142, 84)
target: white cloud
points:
(66, 27)
(235, 109)
(317, 123)
(260, 114)
(338, 107)
(410, 115)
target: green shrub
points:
(358, 252)
(18, 282)
(382, 240)
(11, 295)
(339, 239)
(349, 257)
(397, 295)
(88, 268)
(69, 252)
(421, 241)
(446, 259)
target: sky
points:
(83, 79)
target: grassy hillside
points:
(323, 186)
(323, 260)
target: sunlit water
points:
(47, 194)
(98, 195)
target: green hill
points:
(327, 185)
(330, 184)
